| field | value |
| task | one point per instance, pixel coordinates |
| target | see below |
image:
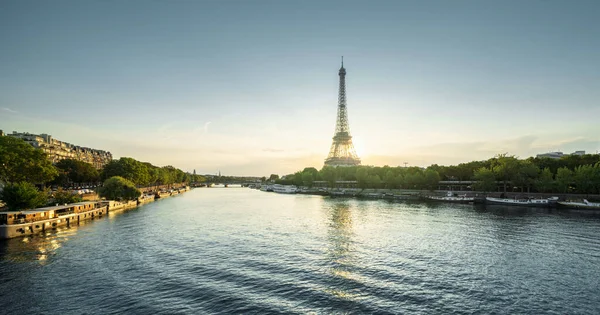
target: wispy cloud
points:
(206, 126)
(6, 109)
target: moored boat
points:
(266, 188)
(580, 205)
(526, 202)
(284, 189)
(450, 197)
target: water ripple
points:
(240, 251)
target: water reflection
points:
(38, 247)
(340, 247)
(42, 246)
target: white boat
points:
(451, 198)
(266, 188)
(285, 189)
(581, 205)
(526, 202)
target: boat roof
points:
(50, 208)
(82, 203)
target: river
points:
(242, 251)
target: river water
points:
(242, 251)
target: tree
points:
(112, 168)
(564, 179)
(20, 162)
(374, 181)
(399, 181)
(431, 179)
(119, 188)
(414, 180)
(78, 171)
(544, 182)
(586, 177)
(273, 177)
(23, 195)
(506, 168)
(485, 180)
(389, 179)
(130, 169)
(64, 196)
(307, 179)
(526, 175)
(329, 175)
(362, 177)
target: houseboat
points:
(114, 205)
(526, 202)
(450, 197)
(162, 194)
(27, 222)
(145, 198)
(580, 205)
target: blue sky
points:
(250, 87)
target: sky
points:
(250, 87)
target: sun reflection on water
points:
(340, 249)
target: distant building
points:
(578, 153)
(558, 155)
(59, 150)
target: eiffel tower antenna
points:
(342, 151)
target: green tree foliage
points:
(20, 161)
(119, 188)
(414, 179)
(545, 182)
(485, 180)
(523, 174)
(23, 195)
(192, 178)
(145, 174)
(399, 181)
(362, 176)
(374, 181)
(78, 171)
(307, 179)
(569, 161)
(587, 178)
(62, 196)
(526, 175)
(431, 179)
(390, 179)
(564, 179)
(329, 174)
(273, 177)
(506, 168)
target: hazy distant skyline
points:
(250, 87)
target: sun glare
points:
(358, 146)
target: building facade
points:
(58, 150)
(558, 155)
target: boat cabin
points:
(45, 213)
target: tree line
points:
(23, 166)
(569, 174)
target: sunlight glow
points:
(359, 146)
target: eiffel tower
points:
(342, 151)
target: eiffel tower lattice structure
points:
(342, 151)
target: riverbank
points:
(475, 197)
(33, 221)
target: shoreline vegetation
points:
(29, 180)
(569, 175)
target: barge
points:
(28, 222)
